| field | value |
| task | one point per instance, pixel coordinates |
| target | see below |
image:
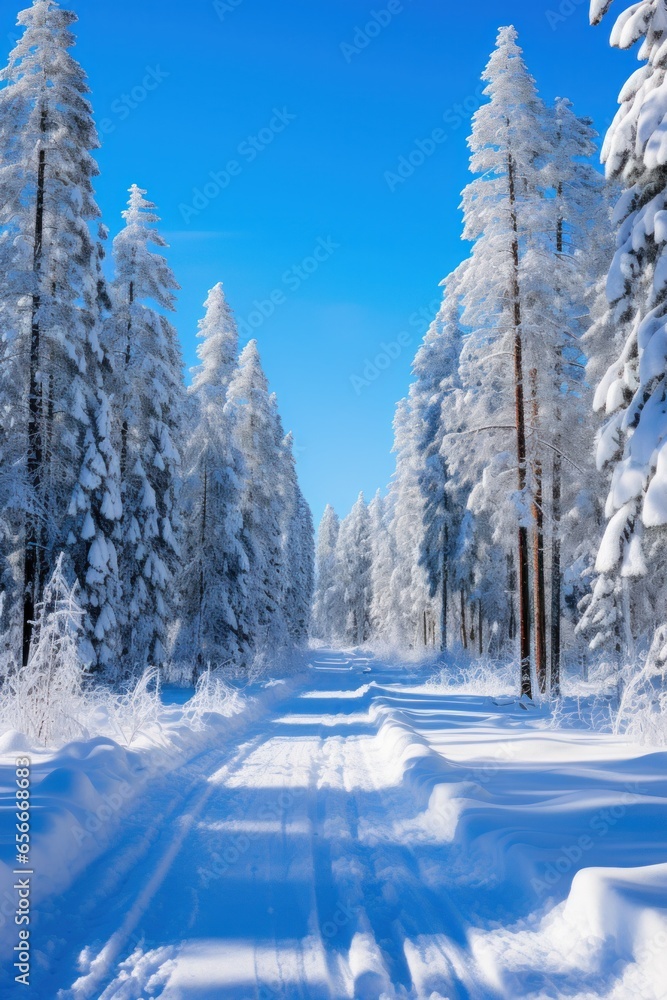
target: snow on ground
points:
(368, 836)
(83, 793)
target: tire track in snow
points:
(456, 976)
(337, 785)
(101, 966)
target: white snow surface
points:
(351, 835)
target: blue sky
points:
(302, 120)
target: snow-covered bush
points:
(126, 714)
(214, 694)
(482, 676)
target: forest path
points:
(368, 840)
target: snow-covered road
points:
(375, 839)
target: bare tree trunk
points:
(202, 579)
(539, 583)
(125, 430)
(511, 587)
(425, 630)
(464, 631)
(33, 569)
(519, 405)
(556, 583)
(480, 628)
(444, 595)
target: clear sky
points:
(303, 121)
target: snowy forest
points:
(423, 754)
(526, 517)
(169, 520)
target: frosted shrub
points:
(44, 700)
(483, 676)
(130, 713)
(213, 694)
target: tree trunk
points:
(539, 587)
(464, 631)
(125, 430)
(511, 587)
(33, 570)
(480, 627)
(202, 580)
(519, 406)
(556, 584)
(443, 606)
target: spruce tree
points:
(631, 395)
(150, 396)
(382, 565)
(49, 290)
(504, 213)
(213, 578)
(258, 436)
(298, 550)
(436, 369)
(328, 621)
(354, 557)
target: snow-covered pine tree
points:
(557, 320)
(436, 369)
(328, 621)
(631, 395)
(298, 551)
(213, 577)
(304, 571)
(150, 396)
(258, 436)
(48, 261)
(218, 350)
(382, 566)
(354, 557)
(410, 598)
(504, 210)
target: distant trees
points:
(102, 451)
(354, 557)
(327, 618)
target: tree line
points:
(526, 514)
(177, 511)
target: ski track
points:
(318, 860)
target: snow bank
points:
(82, 792)
(558, 831)
(607, 939)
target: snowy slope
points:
(372, 837)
